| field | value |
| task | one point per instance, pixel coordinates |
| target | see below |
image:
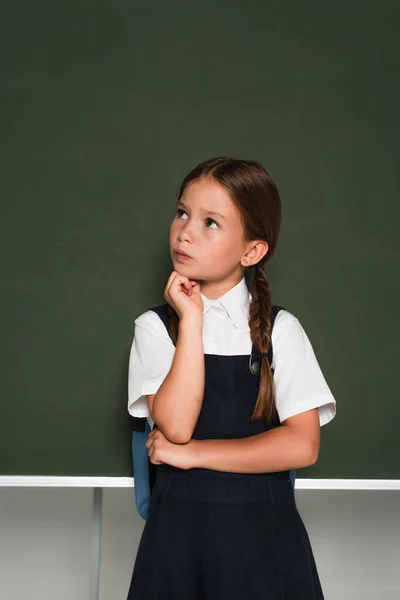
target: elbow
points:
(179, 438)
(312, 460)
(174, 433)
(176, 436)
(312, 455)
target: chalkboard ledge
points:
(122, 482)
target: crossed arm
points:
(293, 445)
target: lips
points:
(182, 254)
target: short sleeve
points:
(150, 360)
(299, 382)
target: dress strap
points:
(162, 311)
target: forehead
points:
(208, 195)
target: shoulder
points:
(288, 335)
(153, 320)
(285, 321)
(148, 317)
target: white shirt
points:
(299, 381)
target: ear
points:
(255, 251)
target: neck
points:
(216, 288)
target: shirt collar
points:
(235, 302)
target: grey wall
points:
(45, 542)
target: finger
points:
(154, 458)
(171, 277)
(156, 461)
(168, 285)
(176, 278)
(187, 288)
(196, 288)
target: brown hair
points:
(255, 194)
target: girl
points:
(223, 522)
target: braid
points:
(260, 330)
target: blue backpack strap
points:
(144, 471)
(140, 432)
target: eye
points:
(212, 221)
(179, 213)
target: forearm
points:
(178, 401)
(278, 449)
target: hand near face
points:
(184, 295)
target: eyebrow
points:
(204, 210)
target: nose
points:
(185, 233)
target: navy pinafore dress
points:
(213, 535)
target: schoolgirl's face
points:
(208, 229)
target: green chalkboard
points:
(105, 106)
